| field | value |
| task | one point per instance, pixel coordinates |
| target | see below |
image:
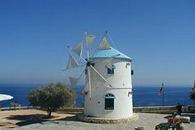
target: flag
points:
(161, 90)
(193, 88)
(82, 92)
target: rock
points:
(139, 128)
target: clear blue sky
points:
(158, 35)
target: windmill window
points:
(129, 93)
(132, 72)
(109, 101)
(127, 64)
(110, 70)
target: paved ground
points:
(12, 119)
(69, 122)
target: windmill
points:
(108, 76)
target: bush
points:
(52, 97)
(162, 126)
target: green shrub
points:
(52, 97)
(162, 126)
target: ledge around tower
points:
(85, 118)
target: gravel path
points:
(146, 120)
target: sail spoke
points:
(89, 80)
(100, 75)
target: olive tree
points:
(52, 97)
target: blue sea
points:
(142, 95)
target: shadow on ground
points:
(70, 118)
(3, 124)
(166, 117)
(29, 119)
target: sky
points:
(158, 35)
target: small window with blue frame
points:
(111, 70)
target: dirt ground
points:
(16, 118)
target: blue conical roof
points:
(109, 53)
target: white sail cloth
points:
(104, 45)
(73, 81)
(5, 97)
(72, 63)
(78, 49)
(89, 40)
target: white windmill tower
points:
(108, 88)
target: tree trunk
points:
(49, 114)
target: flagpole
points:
(163, 95)
(193, 87)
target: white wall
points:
(121, 85)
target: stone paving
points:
(146, 120)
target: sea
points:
(143, 96)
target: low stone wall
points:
(191, 108)
(84, 118)
(71, 110)
(138, 109)
(16, 108)
(161, 109)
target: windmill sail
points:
(72, 63)
(89, 40)
(73, 81)
(104, 45)
(78, 49)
